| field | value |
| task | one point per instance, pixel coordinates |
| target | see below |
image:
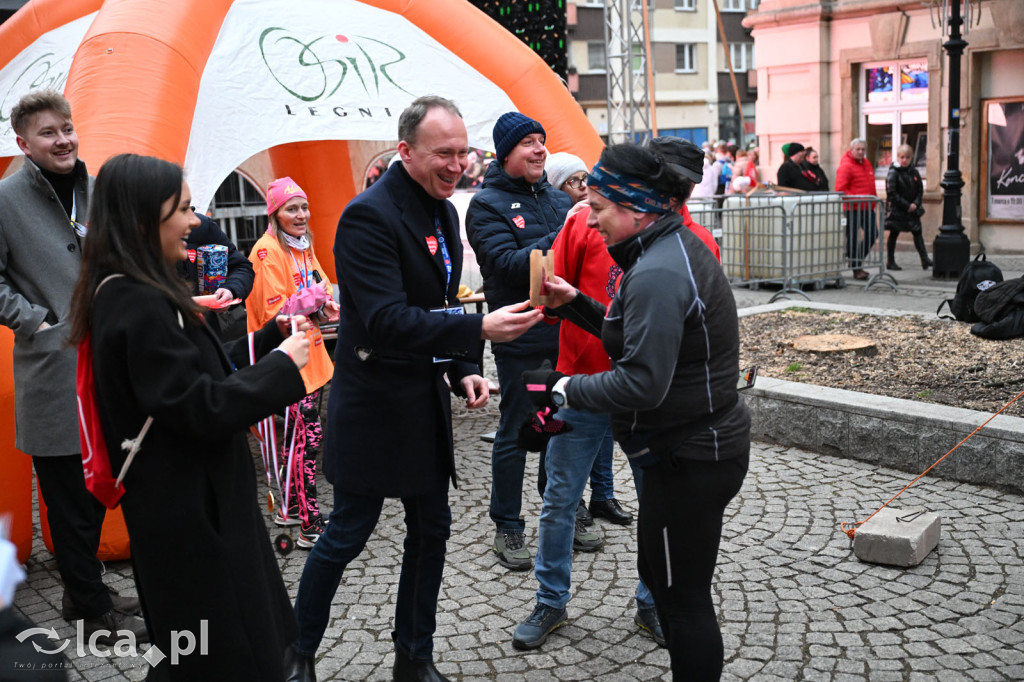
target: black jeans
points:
(682, 503)
(76, 520)
(428, 523)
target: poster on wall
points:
(1003, 129)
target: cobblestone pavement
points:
(793, 600)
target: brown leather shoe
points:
(860, 274)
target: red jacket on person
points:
(581, 259)
(855, 177)
(702, 232)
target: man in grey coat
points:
(43, 210)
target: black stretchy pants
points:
(682, 503)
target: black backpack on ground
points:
(1001, 311)
(977, 276)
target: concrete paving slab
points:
(897, 537)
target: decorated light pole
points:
(952, 248)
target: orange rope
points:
(850, 528)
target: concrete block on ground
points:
(897, 537)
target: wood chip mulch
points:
(934, 361)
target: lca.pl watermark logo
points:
(183, 643)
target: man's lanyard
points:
(445, 256)
(304, 272)
(75, 225)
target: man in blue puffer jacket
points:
(516, 212)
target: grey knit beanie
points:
(561, 166)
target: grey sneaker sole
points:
(292, 520)
(514, 565)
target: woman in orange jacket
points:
(289, 278)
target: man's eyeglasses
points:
(577, 181)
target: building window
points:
(894, 112)
(596, 60)
(698, 136)
(240, 210)
(686, 5)
(742, 56)
(738, 5)
(686, 58)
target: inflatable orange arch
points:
(136, 76)
(135, 80)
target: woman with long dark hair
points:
(202, 557)
(672, 335)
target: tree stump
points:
(835, 343)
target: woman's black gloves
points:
(542, 425)
(539, 383)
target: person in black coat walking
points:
(202, 556)
(904, 193)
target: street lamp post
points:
(951, 247)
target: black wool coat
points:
(389, 430)
(200, 549)
(903, 187)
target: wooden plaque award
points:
(542, 266)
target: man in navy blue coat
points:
(398, 256)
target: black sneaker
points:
(584, 540)
(509, 547)
(647, 618)
(311, 532)
(534, 631)
(583, 514)
(611, 510)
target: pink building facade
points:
(829, 72)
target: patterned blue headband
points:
(627, 191)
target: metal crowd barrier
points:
(795, 240)
(864, 222)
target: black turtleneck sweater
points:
(64, 186)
